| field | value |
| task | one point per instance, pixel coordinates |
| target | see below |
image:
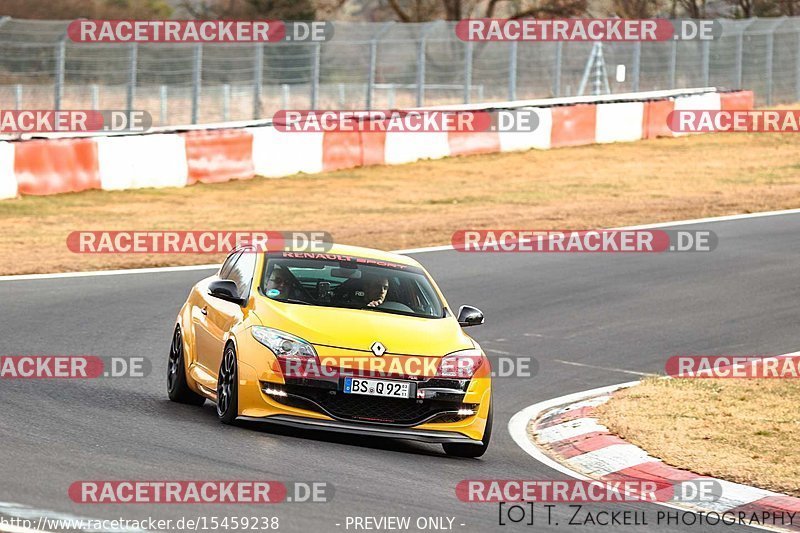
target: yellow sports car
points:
(351, 340)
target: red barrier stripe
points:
(56, 165)
(654, 122)
(738, 101)
(573, 125)
(217, 156)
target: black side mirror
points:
(225, 289)
(470, 316)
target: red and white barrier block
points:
(56, 165)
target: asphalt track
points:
(626, 312)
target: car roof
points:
(369, 253)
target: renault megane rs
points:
(352, 340)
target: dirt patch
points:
(742, 430)
(423, 203)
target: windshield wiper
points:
(293, 301)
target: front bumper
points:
(338, 426)
(256, 404)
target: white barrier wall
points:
(539, 138)
(277, 153)
(407, 147)
(8, 181)
(619, 122)
(144, 161)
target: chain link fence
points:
(371, 66)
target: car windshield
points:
(331, 280)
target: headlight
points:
(460, 365)
(283, 344)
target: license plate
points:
(378, 387)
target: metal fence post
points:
(58, 85)
(467, 71)
(557, 73)
(197, 77)
(164, 109)
(739, 57)
(706, 63)
(18, 96)
(373, 62)
(421, 71)
(95, 91)
(673, 64)
(315, 74)
(421, 65)
(768, 59)
(226, 102)
(133, 61)
(797, 70)
(512, 71)
(637, 65)
(286, 95)
(258, 80)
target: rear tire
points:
(458, 449)
(177, 386)
(228, 387)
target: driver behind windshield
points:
(279, 283)
(375, 289)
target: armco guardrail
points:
(218, 153)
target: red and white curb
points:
(564, 434)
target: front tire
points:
(228, 387)
(177, 386)
(472, 450)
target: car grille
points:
(373, 409)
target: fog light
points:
(274, 392)
(466, 412)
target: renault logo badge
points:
(378, 349)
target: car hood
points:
(358, 329)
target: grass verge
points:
(423, 203)
(742, 430)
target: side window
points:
(242, 272)
(228, 264)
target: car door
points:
(203, 335)
(223, 315)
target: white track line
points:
(441, 248)
(153, 270)
(606, 368)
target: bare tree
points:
(93, 9)
(636, 9)
(250, 9)
(424, 10)
(695, 9)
